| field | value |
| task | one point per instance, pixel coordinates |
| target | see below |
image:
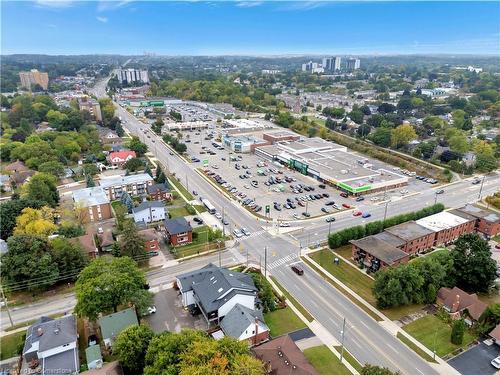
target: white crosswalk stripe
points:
(253, 234)
(282, 261)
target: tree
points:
(10, 210)
(130, 347)
(121, 216)
(37, 222)
(363, 130)
(90, 181)
(157, 125)
(486, 162)
(134, 164)
(457, 332)
(473, 269)
(70, 230)
(131, 242)
(376, 370)
(386, 108)
(356, 116)
(402, 135)
(136, 145)
(107, 283)
(381, 137)
(70, 258)
(52, 167)
(148, 170)
(28, 264)
(458, 143)
(127, 201)
(42, 187)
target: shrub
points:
(457, 332)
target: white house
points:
(247, 324)
(215, 291)
(149, 212)
(52, 346)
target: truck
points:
(208, 205)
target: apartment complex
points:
(34, 77)
(396, 244)
(331, 63)
(133, 75)
(92, 106)
(486, 222)
(353, 64)
(94, 202)
(134, 185)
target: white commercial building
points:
(133, 75)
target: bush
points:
(266, 292)
(457, 332)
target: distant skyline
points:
(249, 27)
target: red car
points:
(356, 213)
(497, 246)
(344, 195)
(345, 205)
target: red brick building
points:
(486, 221)
(416, 237)
(159, 192)
(178, 231)
(460, 304)
(447, 227)
(150, 239)
(375, 252)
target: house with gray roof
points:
(51, 346)
(149, 212)
(215, 291)
(178, 231)
(243, 323)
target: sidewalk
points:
(442, 366)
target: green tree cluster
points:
(266, 293)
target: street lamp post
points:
(481, 188)
(329, 227)
(385, 210)
(342, 341)
(435, 197)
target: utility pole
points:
(187, 183)
(385, 210)
(329, 227)
(435, 197)
(265, 261)
(481, 188)
(6, 306)
(342, 340)
(223, 225)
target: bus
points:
(208, 205)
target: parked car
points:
(324, 210)
(285, 225)
(440, 191)
(330, 219)
(296, 216)
(245, 231)
(225, 222)
(359, 199)
(237, 233)
(344, 195)
(496, 362)
(198, 220)
(366, 214)
(476, 181)
(356, 213)
(151, 309)
(297, 269)
(345, 205)
(306, 214)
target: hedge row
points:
(343, 236)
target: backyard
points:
(325, 362)
(10, 344)
(433, 332)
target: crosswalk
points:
(282, 261)
(253, 234)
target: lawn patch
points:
(415, 348)
(10, 344)
(325, 362)
(294, 302)
(349, 358)
(430, 329)
(283, 321)
(181, 188)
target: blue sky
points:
(249, 27)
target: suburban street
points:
(365, 338)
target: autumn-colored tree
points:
(402, 135)
(36, 222)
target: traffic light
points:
(268, 209)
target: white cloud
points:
(248, 4)
(305, 5)
(111, 5)
(54, 3)
(102, 19)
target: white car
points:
(284, 225)
(374, 199)
(218, 216)
(246, 186)
(151, 309)
(245, 231)
(237, 233)
(296, 216)
(403, 192)
(496, 362)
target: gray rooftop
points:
(157, 187)
(147, 205)
(125, 180)
(380, 249)
(481, 213)
(237, 320)
(177, 225)
(409, 231)
(66, 362)
(92, 196)
(54, 332)
(390, 239)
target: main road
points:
(365, 338)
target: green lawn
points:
(349, 358)
(496, 238)
(415, 348)
(199, 244)
(116, 204)
(10, 343)
(325, 362)
(430, 328)
(434, 255)
(178, 212)
(294, 302)
(283, 321)
(181, 188)
(347, 274)
(396, 313)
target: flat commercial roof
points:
(125, 180)
(91, 196)
(481, 213)
(380, 249)
(441, 221)
(409, 231)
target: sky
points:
(249, 27)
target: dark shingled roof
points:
(239, 318)
(177, 225)
(380, 249)
(157, 187)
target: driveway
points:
(476, 360)
(170, 314)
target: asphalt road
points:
(365, 338)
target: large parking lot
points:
(290, 195)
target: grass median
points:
(293, 301)
(325, 362)
(174, 181)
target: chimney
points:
(456, 303)
(39, 331)
(256, 330)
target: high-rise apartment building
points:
(353, 64)
(92, 106)
(331, 63)
(34, 77)
(133, 75)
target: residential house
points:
(112, 324)
(159, 192)
(94, 203)
(150, 239)
(215, 291)
(52, 346)
(5, 184)
(495, 334)
(247, 324)
(17, 166)
(106, 240)
(149, 212)
(281, 356)
(460, 304)
(119, 158)
(19, 172)
(178, 231)
(109, 137)
(135, 185)
(43, 127)
(87, 243)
